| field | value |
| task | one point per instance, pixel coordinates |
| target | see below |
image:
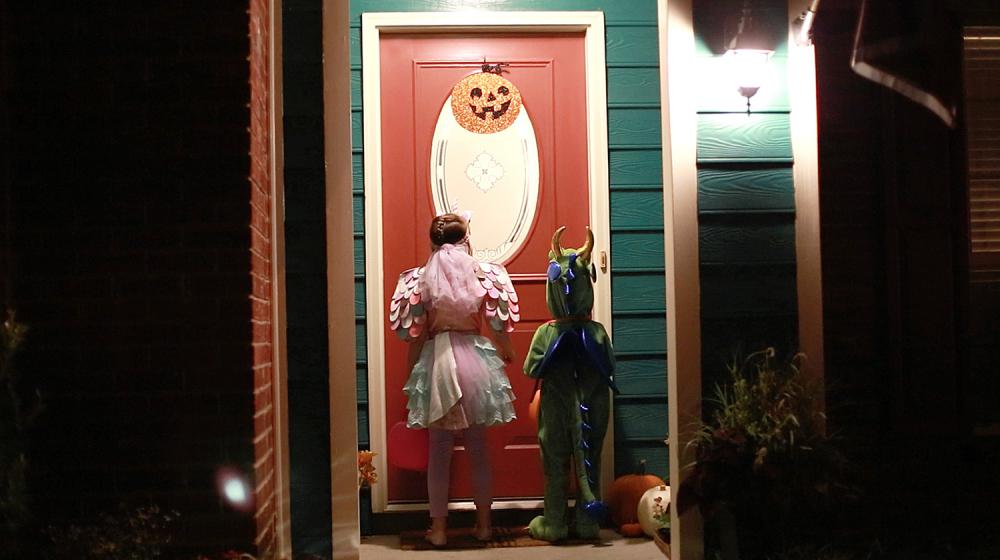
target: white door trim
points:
(373, 25)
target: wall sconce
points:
(748, 53)
(802, 25)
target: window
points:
(982, 104)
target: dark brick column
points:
(127, 179)
(260, 271)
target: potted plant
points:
(20, 405)
(765, 468)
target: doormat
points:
(459, 539)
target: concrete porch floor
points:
(612, 547)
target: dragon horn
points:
(588, 247)
(556, 248)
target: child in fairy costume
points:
(457, 381)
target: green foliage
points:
(767, 412)
(141, 533)
(764, 459)
(17, 414)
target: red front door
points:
(417, 75)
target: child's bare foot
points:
(438, 533)
(436, 538)
(484, 531)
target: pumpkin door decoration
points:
(623, 499)
(486, 102)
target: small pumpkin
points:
(654, 509)
(623, 499)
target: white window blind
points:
(982, 98)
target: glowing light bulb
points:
(235, 491)
(233, 487)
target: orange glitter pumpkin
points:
(485, 102)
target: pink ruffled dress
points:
(459, 378)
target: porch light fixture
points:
(748, 53)
(802, 25)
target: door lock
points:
(604, 261)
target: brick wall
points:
(260, 266)
(127, 184)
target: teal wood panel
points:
(628, 455)
(638, 292)
(354, 39)
(642, 376)
(359, 297)
(301, 135)
(656, 187)
(716, 89)
(358, 204)
(614, 12)
(632, 45)
(734, 190)
(637, 251)
(302, 185)
(308, 261)
(358, 173)
(357, 132)
(637, 209)
(636, 167)
(359, 254)
(361, 340)
(642, 421)
(640, 334)
(630, 86)
(308, 312)
(748, 290)
(634, 127)
(738, 137)
(305, 45)
(303, 81)
(747, 239)
(362, 384)
(356, 98)
(725, 337)
(364, 440)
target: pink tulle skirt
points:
(457, 382)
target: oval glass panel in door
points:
(494, 176)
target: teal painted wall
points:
(636, 200)
(305, 276)
(746, 201)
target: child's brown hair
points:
(448, 228)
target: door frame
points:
(373, 26)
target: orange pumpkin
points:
(485, 102)
(623, 499)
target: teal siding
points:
(742, 138)
(636, 211)
(305, 276)
(746, 203)
(758, 189)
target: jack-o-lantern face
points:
(485, 102)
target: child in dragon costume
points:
(572, 358)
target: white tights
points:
(442, 442)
